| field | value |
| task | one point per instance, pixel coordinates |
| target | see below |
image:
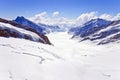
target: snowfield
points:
(67, 59)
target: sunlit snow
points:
(67, 59)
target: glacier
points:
(22, 59)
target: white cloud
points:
(43, 14)
(110, 17)
(117, 17)
(85, 17)
(106, 16)
(40, 18)
(56, 13)
(56, 19)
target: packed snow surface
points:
(67, 59)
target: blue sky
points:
(67, 8)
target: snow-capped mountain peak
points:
(41, 28)
(29, 23)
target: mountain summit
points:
(41, 28)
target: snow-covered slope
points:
(12, 29)
(98, 30)
(67, 60)
(7, 30)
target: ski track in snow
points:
(66, 60)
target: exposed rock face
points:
(9, 32)
(5, 32)
(99, 30)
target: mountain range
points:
(41, 28)
(98, 30)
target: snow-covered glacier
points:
(72, 55)
(66, 59)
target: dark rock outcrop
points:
(10, 32)
(44, 39)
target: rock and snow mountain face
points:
(22, 59)
(98, 30)
(16, 30)
(41, 28)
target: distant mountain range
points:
(41, 28)
(98, 30)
